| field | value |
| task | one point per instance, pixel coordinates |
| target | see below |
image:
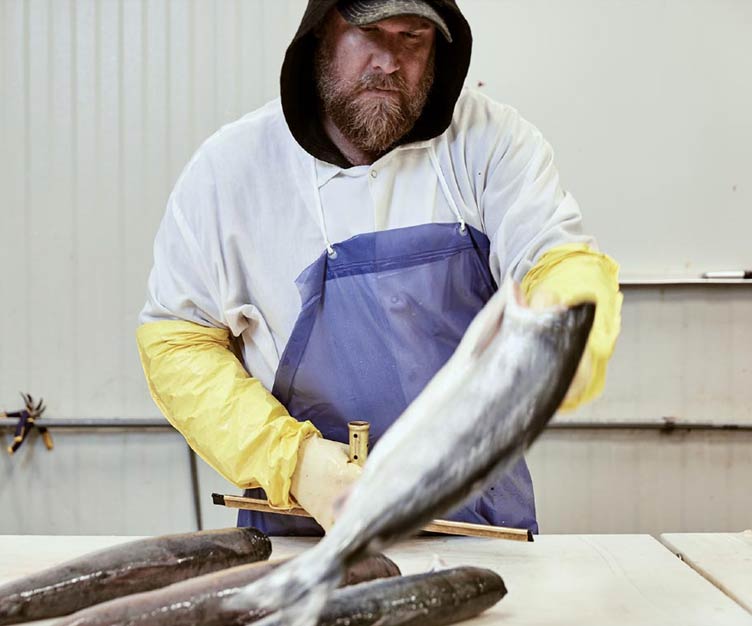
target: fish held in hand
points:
(487, 404)
(128, 568)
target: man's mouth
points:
(381, 92)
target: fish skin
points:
(127, 568)
(198, 600)
(473, 420)
(431, 599)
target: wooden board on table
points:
(575, 580)
(725, 559)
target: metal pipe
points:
(665, 427)
(683, 282)
(95, 423)
(162, 424)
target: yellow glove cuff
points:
(576, 273)
(236, 425)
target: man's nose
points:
(385, 60)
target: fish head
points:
(532, 352)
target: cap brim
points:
(364, 12)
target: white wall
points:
(103, 101)
(647, 105)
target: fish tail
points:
(295, 592)
(305, 611)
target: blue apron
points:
(381, 314)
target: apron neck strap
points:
(445, 189)
(442, 183)
(319, 207)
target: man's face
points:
(374, 80)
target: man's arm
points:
(536, 233)
(228, 417)
(225, 415)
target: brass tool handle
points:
(437, 526)
(358, 441)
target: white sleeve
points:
(181, 285)
(525, 211)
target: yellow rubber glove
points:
(322, 478)
(226, 416)
(574, 273)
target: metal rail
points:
(96, 423)
(125, 423)
(665, 427)
(649, 281)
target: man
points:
(346, 235)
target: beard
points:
(372, 123)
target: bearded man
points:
(321, 257)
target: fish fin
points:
(295, 593)
(304, 612)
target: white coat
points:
(242, 222)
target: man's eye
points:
(411, 35)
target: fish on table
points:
(199, 600)
(128, 568)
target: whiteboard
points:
(648, 106)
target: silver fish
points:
(473, 420)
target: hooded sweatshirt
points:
(266, 195)
(298, 87)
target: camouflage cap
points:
(362, 12)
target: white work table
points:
(725, 559)
(574, 580)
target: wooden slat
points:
(437, 526)
(478, 530)
(725, 559)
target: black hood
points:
(300, 98)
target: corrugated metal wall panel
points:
(108, 100)
(98, 483)
(15, 255)
(642, 481)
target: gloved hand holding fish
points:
(496, 393)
